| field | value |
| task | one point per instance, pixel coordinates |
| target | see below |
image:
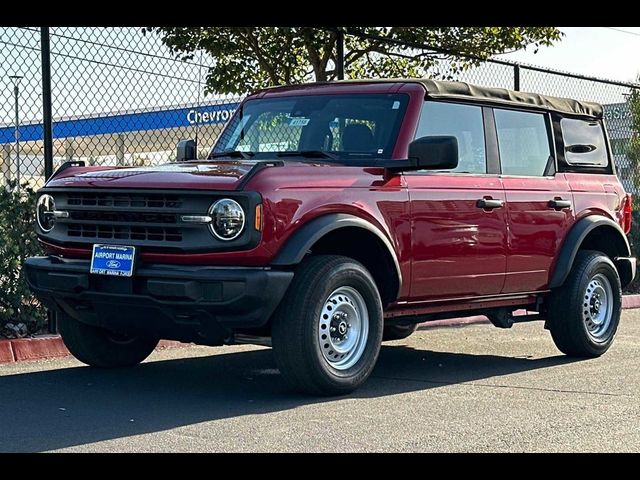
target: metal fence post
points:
(46, 101)
(516, 77)
(340, 54)
(47, 132)
(16, 100)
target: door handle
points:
(489, 203)
(559, 203)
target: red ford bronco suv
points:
(330, 217)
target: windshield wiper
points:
(307, 154)
(231, 153)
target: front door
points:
(458, 216)
(539, 200)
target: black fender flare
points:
(574, 239)
(303, 239)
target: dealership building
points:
(141, 137)
(619, 122)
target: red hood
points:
(224, 175)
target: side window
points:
(523, 141)
(462, 121)
(583, 143)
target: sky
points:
(606, 52)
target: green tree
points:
(633, 147)
(247, 58)
(632, 152)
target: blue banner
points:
(126, 122)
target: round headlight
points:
(227, 219)
(44, 213)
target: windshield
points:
(344, 127)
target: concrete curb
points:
(631, 301)
(51, 346)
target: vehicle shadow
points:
(74, 406)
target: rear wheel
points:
(327, 331)
(584, 313)
(398, 332)
(103, 348)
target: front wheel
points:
(103, 348)
(327, 331)
(584, 313)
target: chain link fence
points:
(120, 97)
(20, 104)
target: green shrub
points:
(634, 239)
(17, 242)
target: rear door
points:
(458, 216)
(539, 202)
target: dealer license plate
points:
(113, 260)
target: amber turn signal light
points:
(258, 217)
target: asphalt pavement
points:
(473, 388)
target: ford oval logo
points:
(113, 264)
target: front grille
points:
(124, 200)
(107, 232)
(141, 219)
(124, 216)
(120, 217)
(147, 219)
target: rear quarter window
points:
(584, 143)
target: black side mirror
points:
(434, 152)
(186, 150)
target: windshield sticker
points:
(396, 105)
(298, 122)
(380, 150)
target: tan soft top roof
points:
(444, 90)
(438, 89)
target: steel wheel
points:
(343, 328)
(327, 331)
(583, 314)
(597, 309)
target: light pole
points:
(16, 93)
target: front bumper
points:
(189, 303)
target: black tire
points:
(102, 348)
(398, 332)
(571, 306)
(297, 326)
